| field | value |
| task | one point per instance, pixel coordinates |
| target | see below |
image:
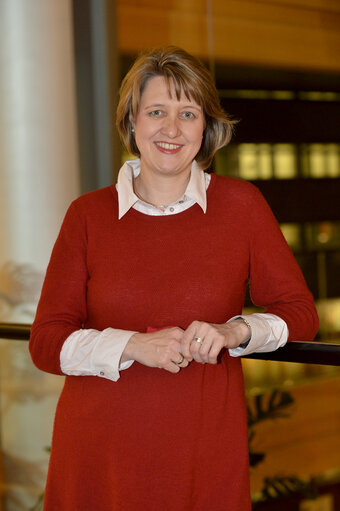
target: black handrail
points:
(303, 352)
(295, 351)
(15, 331)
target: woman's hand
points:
(203, 342)
(161, 349)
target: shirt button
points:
(101, 373)
(172, 209)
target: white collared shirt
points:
(92, 352)
(194, 193)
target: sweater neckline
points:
(162, 218)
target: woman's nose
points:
(170, 127)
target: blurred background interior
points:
(277, 68)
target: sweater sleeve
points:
(62, 306)
(276, 281)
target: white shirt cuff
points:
(268, 332)
(95, 353)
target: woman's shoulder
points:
(235, 189)
(242, 198)
(239, 196)
(96, 199)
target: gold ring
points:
(198, 339)
(178, 363)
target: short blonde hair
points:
(188, 75)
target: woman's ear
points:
(132, 123)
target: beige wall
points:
(295, 34)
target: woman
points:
(141, 308)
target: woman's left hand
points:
(203, 342)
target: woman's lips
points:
(168, 148)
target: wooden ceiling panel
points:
(290, 34)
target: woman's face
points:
(168, 131)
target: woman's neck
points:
(160, 191)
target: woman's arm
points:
(275, 279)
(62, 306)
(60, 345)
(276, 283)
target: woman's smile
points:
(168, 148)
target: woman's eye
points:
(188, 115)
(155, 113)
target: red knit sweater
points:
(154, 440)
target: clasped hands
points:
(173, 349)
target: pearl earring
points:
(133, 130)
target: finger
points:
(167, 361)
(195, 349)
(186, 340)
(214, 352)
(201, 342)
(172, 368)
(204, 348)
(180, 360)
(183, 362)
(177, 360)
(210, 348)
(198, 333)
(216, 346)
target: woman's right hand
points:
(160, 349)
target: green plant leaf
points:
(268, 406)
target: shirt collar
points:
(196, 189)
